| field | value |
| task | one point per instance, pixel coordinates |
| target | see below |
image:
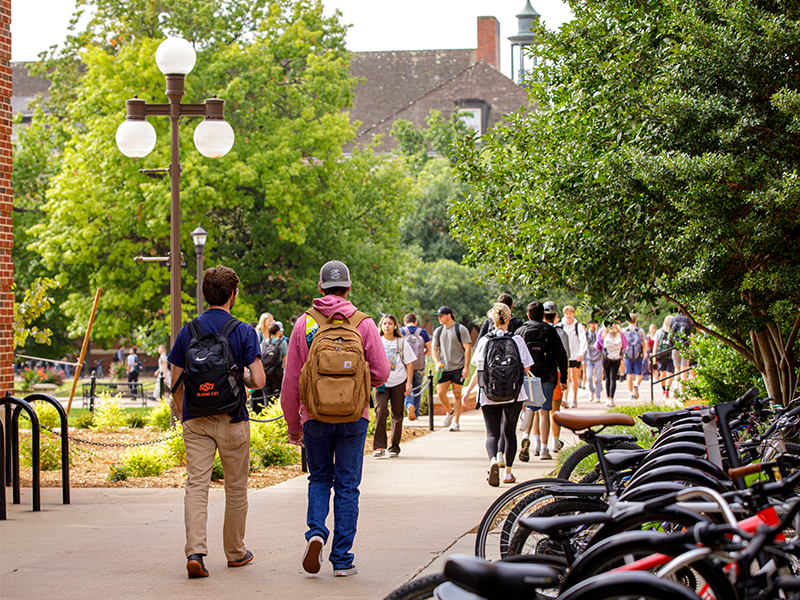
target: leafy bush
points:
(52, 375)
(268, 441)
(84, 420)
(49, 451)
(217, 473)
(118, 370)
(174, 446)
(31, 377)
(146, 461)
(160, 416)
(117, 473)
(134, 419)
(46, 413)
(722, 373)
(109, 414)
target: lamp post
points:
(213, 138)
(199, 237)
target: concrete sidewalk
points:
(128, 543)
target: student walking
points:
(334, 441)
(501, 361)
(392, 394)
(634, 355)
(663, 353)
(612, 344)
(420, 342)
(593, 363)
(206, 430)
(451, 350)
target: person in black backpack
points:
(214, 343)
(501, 361)
(634, 355)
(514, 324)
(420, 341)
(273, 359)
(550, 365)
(134, 366)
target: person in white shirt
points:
(577, 350)
(401, 358)
(500, 418)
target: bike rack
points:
(9, 449)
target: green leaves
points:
(34, 303)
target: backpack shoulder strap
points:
(194, 328)
(231, 324)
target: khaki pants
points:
(203, 436)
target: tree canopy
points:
(280, 204)
(662, 163)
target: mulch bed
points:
(91, 463)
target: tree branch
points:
(736, 344)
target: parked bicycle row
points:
(681, 519)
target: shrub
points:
(84, 419)
(49, 451)
(146, 461)
(117, 473)
(217, 473)
(722, 373)
(134, 419)
(268, 441)
(118, 370)
(109, 414)
(30, 377)
(46, 413)
(174, 446)
(51, 375)
(160, 416)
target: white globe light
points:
(175, 56)
(213, 138)
(136, 138)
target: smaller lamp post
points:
(199, 237)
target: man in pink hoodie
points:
(334, 451)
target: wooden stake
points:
(83, 349)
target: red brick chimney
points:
(489, 41)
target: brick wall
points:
(489, 41)
(6, 203)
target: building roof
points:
(24, 89)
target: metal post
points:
(430, 399)
(92, 388)
(200, 280)
(175, 92)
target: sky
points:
(376, 25)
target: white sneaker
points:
(312, 557)
(610, 404)
(501, 460)
(455, 427)
(557, 445)
(449, 418)
(351, 570)
(591, 398)
(544, 454)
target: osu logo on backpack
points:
(210, 366)
(335, 381)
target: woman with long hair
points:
(612, 344)
(393, 393)
(500, 418)
(663, 353)
(262, 329)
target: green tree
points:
(661, 164)
(280, 204)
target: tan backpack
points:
(335, 382)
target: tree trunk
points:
(774, 358)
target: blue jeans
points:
(594, 375)
(414, 398)
(335, 454)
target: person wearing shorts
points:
(634, 368)
(451, 349)
(576, 334)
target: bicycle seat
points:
(659, 419)
(499, 580)
(552, 526)
(581, 422)
(622, 459)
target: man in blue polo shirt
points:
(227, 433)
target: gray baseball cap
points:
(550, 308)
(334, 273)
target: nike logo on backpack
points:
(198, 359)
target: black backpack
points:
(212, 383)
(535, 336)
(503, 372)
(271, 359)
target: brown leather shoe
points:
(195, 566)
(248, 557)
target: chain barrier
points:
(82, 441)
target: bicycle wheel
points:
(628, 586)
(628, 547)
(418, 589)
(525, 541)
(665, 520)
(581, 464)
(493, 534)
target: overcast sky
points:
(407, 25)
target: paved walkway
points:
(128, 543)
